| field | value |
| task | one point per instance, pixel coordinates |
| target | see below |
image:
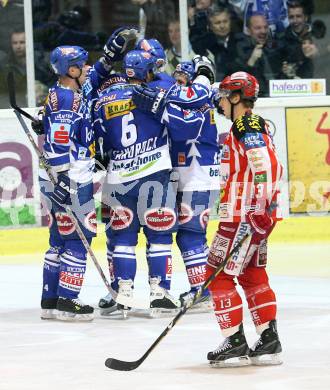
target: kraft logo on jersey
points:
(60, 133)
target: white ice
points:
(49, 355)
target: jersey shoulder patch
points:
(64, 99)
(248, 123)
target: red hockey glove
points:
(261, 223)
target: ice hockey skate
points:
(202, 305)
(107, 305)
(73, 310)
(266, 350)
(125, 290)
(48, 309)
(233, 352)
(161, 301)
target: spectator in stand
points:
(298, 48)
(11, 17)
(173, 53)
(158, 13)
(16, 63)
(218, 39)
(258, 53)
(275, 11)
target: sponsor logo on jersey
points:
(185, 213)
(121, 107)
(181, 158)
(137, 165)
(214, 172)
(49, 219)
(204, 218)
(59, 133)
(82, 152)
(168, 268)
(120, 218)
(196, 274)
(253, 141)
(160, 219)
(218, 250)
(260, 177)
(90, 222)
(64, 223)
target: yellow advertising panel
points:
(308, 136)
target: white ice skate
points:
(161, 301)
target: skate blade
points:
(48, 314)
(109, 310)
(232, 362)
(161, 312)
(73, 317)
(267, 360)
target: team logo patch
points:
(160, 219)
(64, 223)
(120, 218)
(90, 222)
(185, 213)
(59, 133)
(204, 218)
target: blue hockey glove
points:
(63, 190)
(149, 100)
(115, 48)
(204, 67)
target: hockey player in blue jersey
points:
(195, 160)
(69, 148)
(139, 175)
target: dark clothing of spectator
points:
(52, 34)
(222, 49)
(291, 52)
(11, 18)
(266, 68)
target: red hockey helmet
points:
(242, 82)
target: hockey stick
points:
(121, 365)
(12, 96)
(19, 112)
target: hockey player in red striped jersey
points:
(250, 174)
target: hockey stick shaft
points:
(121, 365)
(12, 96)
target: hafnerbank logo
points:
(297, 87)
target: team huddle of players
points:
(156, 138)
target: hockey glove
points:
(115, 48)
(261, 223)
(38, 127)
(63, 190)
(204, 67)
(149, 100)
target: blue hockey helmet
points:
(62, 57)
(154, 47)
(138, 63)
(187, 68)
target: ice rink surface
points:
(51, 355)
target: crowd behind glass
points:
(271, 39)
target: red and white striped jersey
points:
(250, 171)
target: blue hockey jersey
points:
(69, 140)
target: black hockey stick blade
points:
(121, 365)
(12, 96)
